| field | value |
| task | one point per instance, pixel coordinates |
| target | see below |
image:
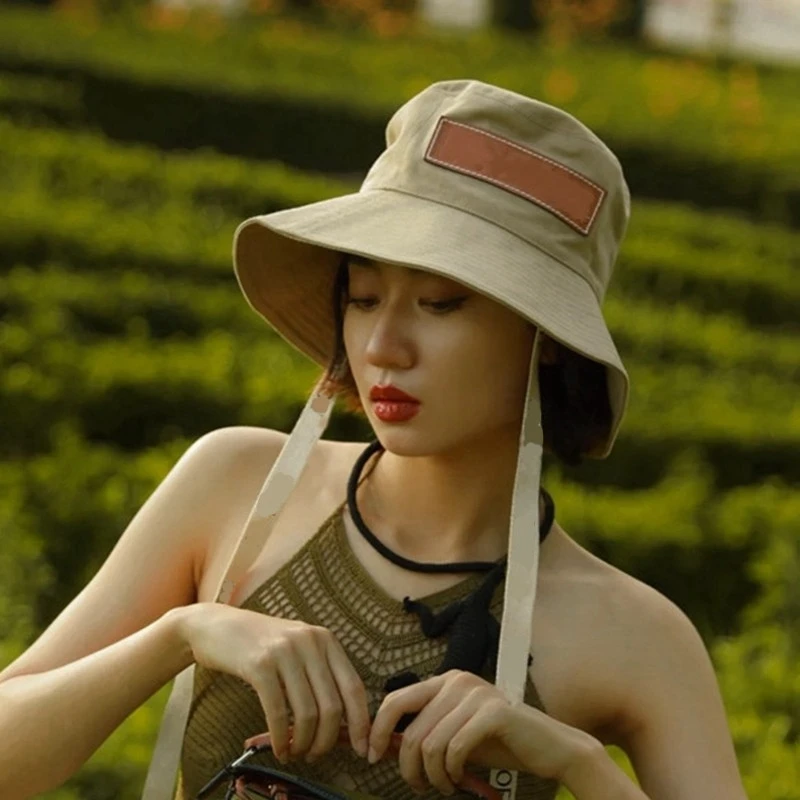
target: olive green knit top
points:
(325, 584)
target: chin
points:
(407, 443)
(410, 442)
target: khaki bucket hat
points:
(507, 195)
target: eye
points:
(442, 306)
(360, 302)
(438, 306)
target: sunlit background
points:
(136, 135)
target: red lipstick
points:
(390, 392)
(392, 404)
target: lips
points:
(391, 393)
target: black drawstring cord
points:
(474, 633)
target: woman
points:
(460, 286)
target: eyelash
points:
(439, 306)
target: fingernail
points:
(373, 755)
(361, 746)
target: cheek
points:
(492, 368)
(505, 361)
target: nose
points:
(389, 344)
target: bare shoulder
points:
(156, 564)
(624, 637)
(605, 592)
(643, 678)
(249, 448)
(248, 454)
(640, 621)
(662, 663)
(628, 643)
(240, 441)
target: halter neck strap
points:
(422, 566)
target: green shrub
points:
(715, 135)
(59, 185)
(758, 669)
(24, 572)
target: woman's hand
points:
(291, 665)
(463, 718)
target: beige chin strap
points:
(279, 484)
(520, 587)
(523, 561)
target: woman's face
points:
(462, 355)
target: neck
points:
(452, 505)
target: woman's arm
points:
(674, 727)
(593, 775)
(115, 644)
(52, 722)
(671, 719)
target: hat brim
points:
(285, 263)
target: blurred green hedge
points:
(124, 337)
(58, 182)
(715, 135)
(758, 671)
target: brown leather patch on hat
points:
(569, 195)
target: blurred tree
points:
(630, 21)
(379, 16)
(614, 17)
(516, 15)
(303, 6)
(27, 2)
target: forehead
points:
(368, 266)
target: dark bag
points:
(250, 781)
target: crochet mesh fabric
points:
(325, 584)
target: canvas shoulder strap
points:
(279, 484)
(523, 562)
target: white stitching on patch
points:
(515, 190)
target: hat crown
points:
(519, 163)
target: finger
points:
(329, 704)
(268, 686)
(463, 739)
(395, 704)
(409, 759)
(435, 749)
(354, 697)
(302, 701)
(421, 756)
